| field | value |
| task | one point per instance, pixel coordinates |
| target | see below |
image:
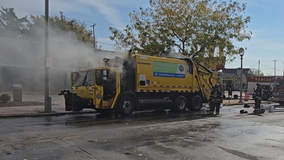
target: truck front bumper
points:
(74, 102)
(277, 99)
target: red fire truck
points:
(278, 90)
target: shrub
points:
(5, 98)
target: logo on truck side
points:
(168, 69)
(181, 68)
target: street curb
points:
(45, 114)
(42, 93)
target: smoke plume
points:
(22, 60)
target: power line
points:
(106, 43)
(103, 28)
(266, 69)
(253, 66)
(266, 66)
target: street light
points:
(242, 52)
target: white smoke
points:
(22, 60)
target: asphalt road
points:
(160, 135)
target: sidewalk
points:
(36, 111)
(236, 102)
(37, 107)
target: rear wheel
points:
(126, 105)
(196, 103)
(180, 104)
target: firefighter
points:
(215, 99)
(257, 98)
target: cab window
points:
(99, 77)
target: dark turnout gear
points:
(257, 96)
(257, 99)
(215, 99)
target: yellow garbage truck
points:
(141, 82)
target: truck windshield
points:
(278, 84)
(83, 78)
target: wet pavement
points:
(145, 135)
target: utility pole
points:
(94, 35)
(275, 67)
(47, 99)
(258, 70)
(283, 69)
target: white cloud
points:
(255, 33)
(105, 8)
(266, 45)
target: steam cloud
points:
(22, 60)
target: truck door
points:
(98, 90)
(109, 84)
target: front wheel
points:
(126, 105)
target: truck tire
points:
(126, 105)
(196, 103)
(180, 104)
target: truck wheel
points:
(196, 103)
(180, 104)
(126, 105)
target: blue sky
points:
(267, 23)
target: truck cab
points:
(278, 91)
(94, 88)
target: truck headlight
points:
(91, 92)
